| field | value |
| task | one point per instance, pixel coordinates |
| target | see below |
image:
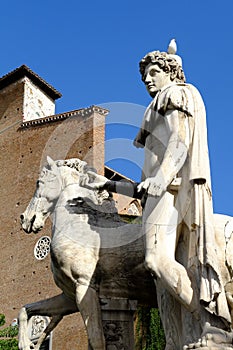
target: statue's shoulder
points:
(176, 96)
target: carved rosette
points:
(42, 248)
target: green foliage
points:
(2, 320)
(149, 330)
(131, 219)
(9, 332)
(9, 342)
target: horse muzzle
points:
(27, 223)
(31, 224)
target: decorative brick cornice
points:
(100, 110)
(84, 112)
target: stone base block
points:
(118, 323)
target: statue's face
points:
(155, 78)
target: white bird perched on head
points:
(172, 47)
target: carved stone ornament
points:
(42, 248)
(37, 325)
(113, 331)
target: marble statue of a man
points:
(176, 193)
(176, 181)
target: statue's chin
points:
(153, 93)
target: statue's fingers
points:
(96, 177)
(101, 184)
(152, 191)
(92, 175)
(83, 182)
(140, 186)
(96, 185)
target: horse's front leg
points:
(89, 307)
(52, 324)
(55, 307)
(24, 342)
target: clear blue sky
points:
(89, 51)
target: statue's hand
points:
(153, 186)
(96, 181)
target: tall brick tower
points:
(30, 130)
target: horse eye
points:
(79, 200)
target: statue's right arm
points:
(126, 188)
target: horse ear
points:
(51, 162)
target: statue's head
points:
(159, 69)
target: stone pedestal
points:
(118, 323)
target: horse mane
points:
(104, 197)
(76, 163)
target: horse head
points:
(48, 188)
(63, 183)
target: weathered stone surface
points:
(184, 250)
(118, 322)
(94, 253)
(93, 250)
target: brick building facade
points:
(30, 130)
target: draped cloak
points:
(194, 198)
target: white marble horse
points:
(86, 231)
(91, 249)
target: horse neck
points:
(69, 192)
(69, 176)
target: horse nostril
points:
(21, 217)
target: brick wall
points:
(23, 152)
